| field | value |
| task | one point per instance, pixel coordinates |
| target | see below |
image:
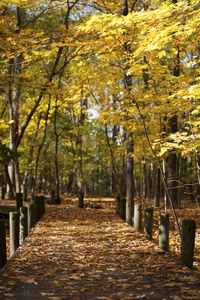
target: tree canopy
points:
(63, 60)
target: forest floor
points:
(189, 210)
(91, 253)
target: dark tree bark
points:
(8, 181)
(144, 179)
(157, 188)
(70, 182)
(39, 150)
(124, 7)
(172, 173)
(172, 160)
(130, 181)
(129, 141)
(114, 173)
(79, 141)
(56, 153)
(123, 176)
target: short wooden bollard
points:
(123, 209)
(25, 195)
(3, 192)
(3, 257)
(118, 205)
(19, 201)
(14, 232)
(23, 224)
(164, 231)
(40, 201)
(138, 217)
(42, 205)
(30, 217)
(187, 242)
(148, 222)
(81, 200)
(52, 197)
(36, 210)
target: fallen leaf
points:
(141, 296)
(31, 281)
(11, 274)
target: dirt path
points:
(92, 254)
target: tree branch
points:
(43, 90)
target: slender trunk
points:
(172, 172)
(129, 139)
(39, 150)
(130, 180)
(8, 181)
(113, 176)
(123, 176)
(31, 152)
(172, 160)
(112, 160)
(144, 179)
(79, 142)
(157, 188)
(56, 151)
(70, 182)
(191, 178)
(14, 93)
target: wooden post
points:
(123, 209)
(23, 224)
(118, 205)
(40, 202)
(81, 200)
(148, 222)
(41, 205)
(187, 242)
(25, 195)
(52, 197)
(138, 217)
(3, 192)
(30, 217)
(164, 231)
(3, 258)
(35, 202)
(14, 232)
(19, 201)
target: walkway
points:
(91, 253)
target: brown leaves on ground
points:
(92, 254)
(189, 209)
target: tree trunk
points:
(70, 182)
(172, 173)
(130, 180)
(114, 172)
(9, 183)
(144, 179)
(172, 161)
(129, 139)
(39, 150)
(56, 152)
(123, 176)
(79, 142)
(157, 188)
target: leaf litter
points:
(87, 253)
